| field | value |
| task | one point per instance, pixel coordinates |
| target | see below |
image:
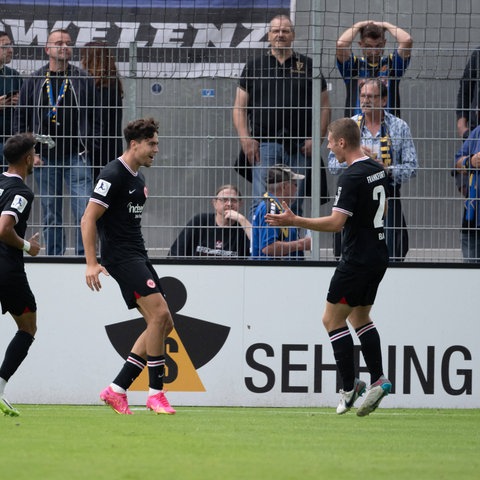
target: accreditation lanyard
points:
(51, 99)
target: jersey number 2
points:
(379, 195)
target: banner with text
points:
(165, 33)
(251, 336)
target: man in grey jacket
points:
(57, 103)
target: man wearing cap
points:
(270, 243)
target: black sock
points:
(156, 370)
(342, 344)
(371, 350)
(15, 354)
(130, 371)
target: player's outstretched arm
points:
(285, 219)
(331, 223)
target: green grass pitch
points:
(92, 442)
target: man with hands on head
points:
(390, 68)
(358, 208)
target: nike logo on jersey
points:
(131, 191)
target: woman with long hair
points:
(97, 59)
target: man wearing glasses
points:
(386, 139)
(224, 233)
(58, 104)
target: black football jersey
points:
(361, 195)
(123, 193)
(16, 199)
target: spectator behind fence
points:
(58, 104)
(272, 113)
(467, 164)
(10, 83)
(468, 98)
(15, 295)
(386, 139)
(270, 243)
(373, 63)
(97, 59)
(224, 233)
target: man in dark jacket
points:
(57, 103)
(468, 97)
(10, 83)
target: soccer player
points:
(15, 295)
(115, 209)
(359, 209)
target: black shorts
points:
(16, 296)
(354, 287)
(136, 279)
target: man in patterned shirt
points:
(388, 140)
(15, 295)
(116, 208)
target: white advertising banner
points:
(250, 336)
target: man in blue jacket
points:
(467, 165)
(271, 243)
(57, 103)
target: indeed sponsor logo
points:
(135, 209)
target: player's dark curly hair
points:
(17, 146)
(140, 129)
